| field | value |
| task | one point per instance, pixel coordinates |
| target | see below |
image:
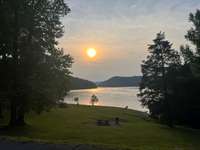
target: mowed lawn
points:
(77, 125)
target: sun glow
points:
(91, 52)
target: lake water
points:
(117, 97)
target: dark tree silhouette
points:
(154, 86)
(187, 89)
(193, 35)
(169, 87)
(34, 71)
(76, 100)
(94, 99)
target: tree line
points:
(170, 86)
(34, 72)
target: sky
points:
(120, 31)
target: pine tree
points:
(154, 86)
(193, 35)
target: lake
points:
(116, 97)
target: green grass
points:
(78, 125)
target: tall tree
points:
(193, 35)
(35, 71)
(154, 92)
(187, 87)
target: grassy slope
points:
(77, 125)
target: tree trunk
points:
(17, 115)
(13, 104)
(1, 111)
(167, 108)
(20, 116)
(168, 113)
(13, 114)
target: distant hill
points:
(77, 83)
(121, 82)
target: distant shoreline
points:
(117, 86)
(106, 87)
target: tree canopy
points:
(34, 70)
(170, 82)
(154, 87)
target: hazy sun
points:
(91, 52)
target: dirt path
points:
(10, 145)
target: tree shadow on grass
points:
(184, 133)
(17, 131)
